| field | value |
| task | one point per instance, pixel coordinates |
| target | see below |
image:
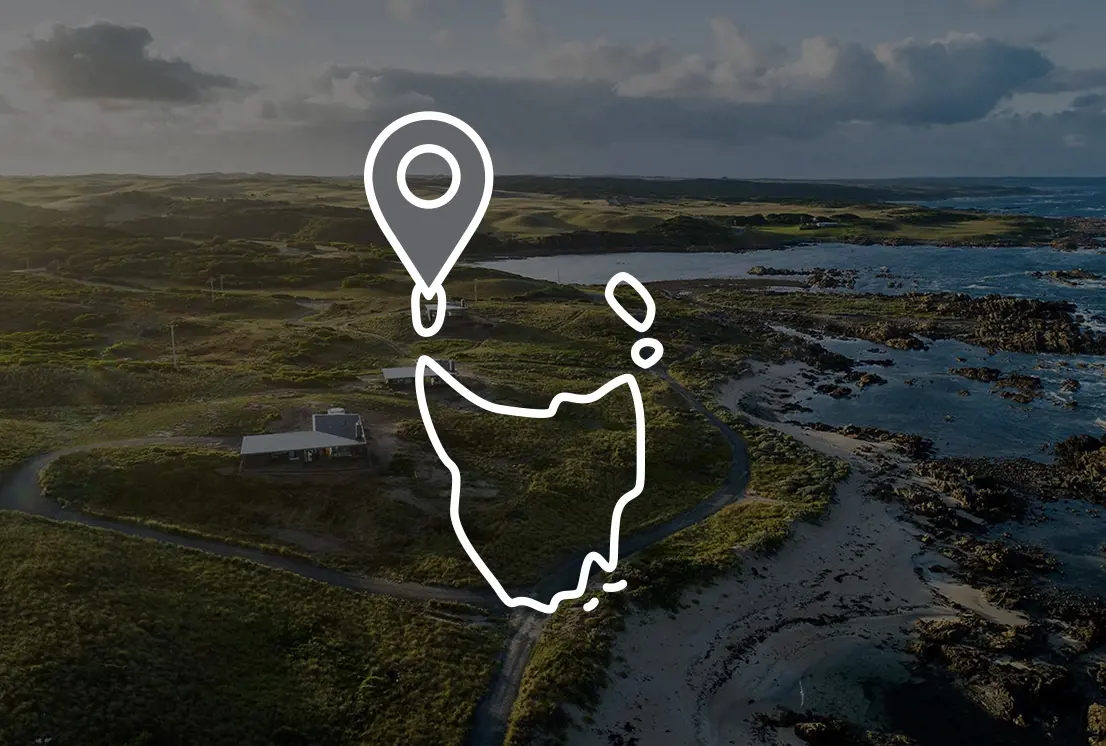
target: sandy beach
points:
(806, 628)
(766, 390)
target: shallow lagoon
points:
(981, 424)
(975, 271)
(1074, 533)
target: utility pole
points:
(222, 293)
(173, 341)
(212, 283)
(474, 296)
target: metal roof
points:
(391, 374)
(340, 423)
(297, 441)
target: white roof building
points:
(297, 441)
(399, 374)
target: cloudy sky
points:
(750, 88)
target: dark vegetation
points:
(355, 522)
(682, 233)
(733, 190)
(110, 640)
(568, 669)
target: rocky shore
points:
(912, 614)
(1022, 662)
(1038, 678)
(992, 322)
(919, 593)
(816, 278)
(1080, 234)
(1015, 387)
(1072, 277)
(1041, 680)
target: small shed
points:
(452, 308)
(405, 377)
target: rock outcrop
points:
(986, 375)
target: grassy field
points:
(153, 194)
(377, 524)
(109, 640)
(534, 490)
(254, 360)
(83, 363)
(560, 478)
(567, 671)
(245, 209)
(22, 439)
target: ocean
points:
(1051, 198)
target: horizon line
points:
(532, 175)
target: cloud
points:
(1045, 35)
(1090, 101)
(6, 107)
(1060, 80)
(740, 107)
(357, 102)
(411, 10)
(518, 25)
(601, 94)
(404, 9)
(274, 16)
(648, 108)
(959, 78)
(322, 133)
(990, 6)
(109, 62)
(1007, 145)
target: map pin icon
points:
(428, 235)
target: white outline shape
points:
(614, 587)
(647, 362)
(650, 306)
(608, 564)
(590, 605)
(454, 176)
(428, 290)
(439, 316)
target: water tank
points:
(336, 410)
